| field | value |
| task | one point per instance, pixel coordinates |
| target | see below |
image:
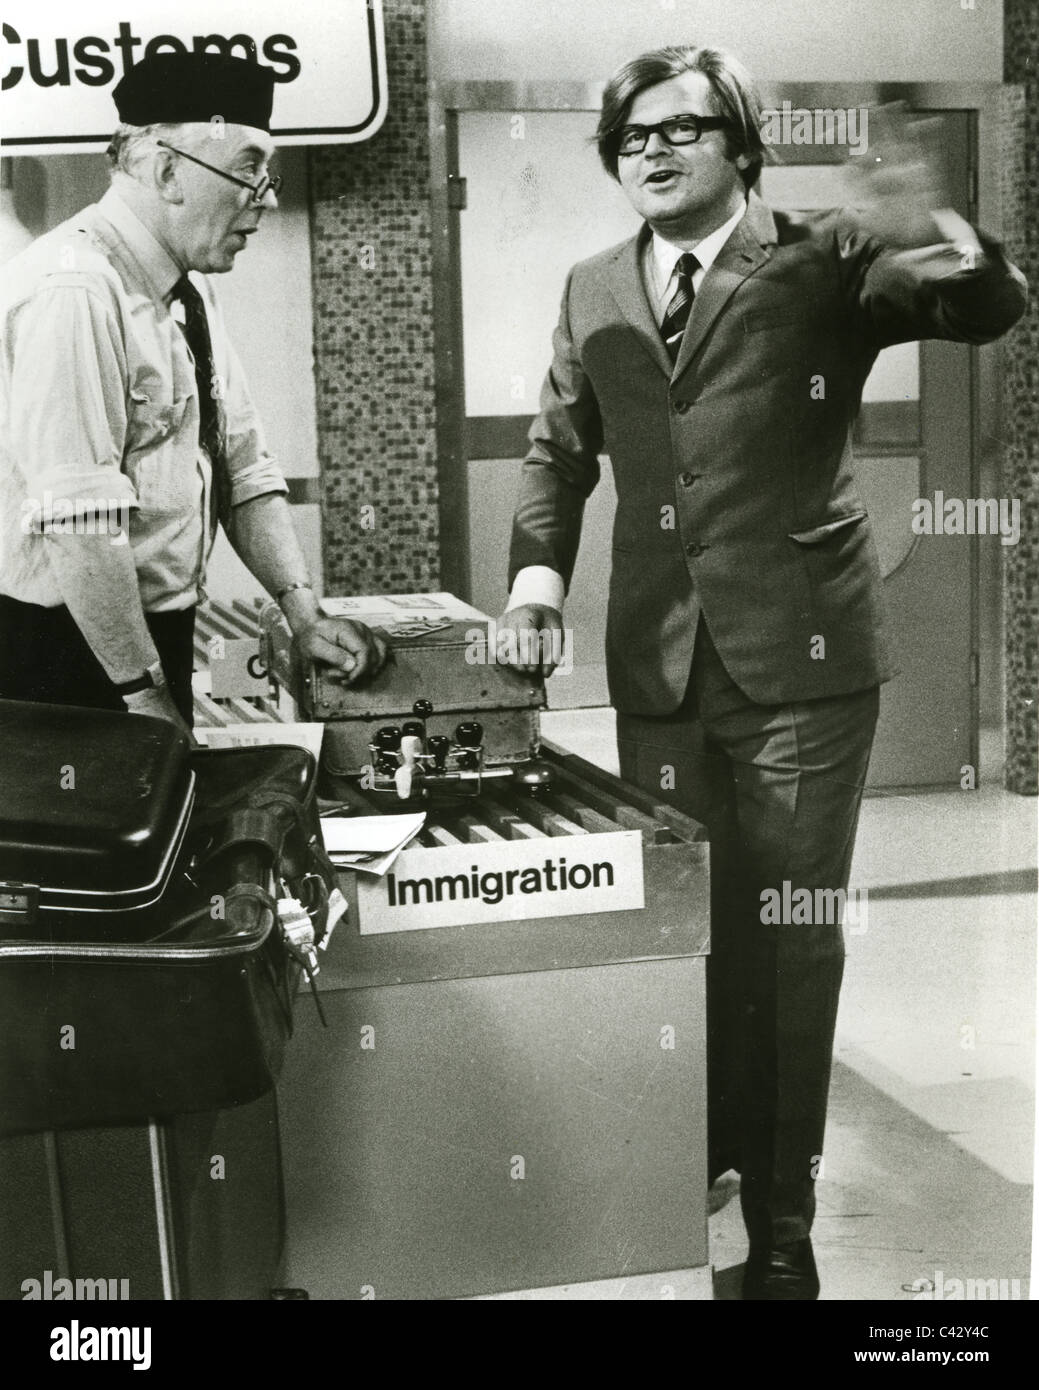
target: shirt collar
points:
(159, 268)
(666, 254)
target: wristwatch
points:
(153, 679)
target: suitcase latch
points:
(19, 904)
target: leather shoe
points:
(784, 1273)
(716, 1166)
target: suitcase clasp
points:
(19, 904)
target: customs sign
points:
(60, 62)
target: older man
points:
(719, 356)
(126, 427)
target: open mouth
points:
(661, 176)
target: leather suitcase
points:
(94, 812)
(101, 1030)
(452, 666)
(189, 1208)
(139, 1147)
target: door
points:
(536, 202)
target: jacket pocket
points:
(816, 534)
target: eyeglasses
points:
(259, 190)
(676, 130)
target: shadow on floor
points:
(1010, 881)
(901, 1208)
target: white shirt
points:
(660, 264)
(99, 409)
(538, 584)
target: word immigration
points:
(492, 887)
(48, 1288)
(970, 516)
(806, 907)
(77, 516)
(794, 125)
(524, 647)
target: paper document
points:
(369, 843)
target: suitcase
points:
(189, 1208)
(450, 666)
(94, 814)
(102, 1030)
(139, 1153)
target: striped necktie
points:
(677, 315)
(211, 415)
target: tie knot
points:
(687, 265)
(185, 292)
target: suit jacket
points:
(733, 468)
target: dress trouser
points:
(45, 657)
(779, 789)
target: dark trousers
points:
(779, 789)
(44, 657)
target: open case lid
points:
(93, 803)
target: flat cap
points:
(169, 88)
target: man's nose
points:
(269, 199)
(656, 144)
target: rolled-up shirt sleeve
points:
(68, 404)
(253, 470)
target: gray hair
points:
(132, 143)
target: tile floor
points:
(929, 1164)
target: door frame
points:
(987, 105)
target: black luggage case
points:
(94, 812)
(137, 1075)
(191, 1208)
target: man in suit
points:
(719, 358)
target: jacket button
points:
(695, 548)
(681, 407)
(688, 479)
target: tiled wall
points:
(373, 336)
(1020, 177)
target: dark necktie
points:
(211, 416)
(677, 315)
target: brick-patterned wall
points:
(1020, 179)
(373, 336)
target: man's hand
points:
(534, 638)
(896, 185)
(354, 649)
(158, 702)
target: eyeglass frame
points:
(269, 183)
(702, 123)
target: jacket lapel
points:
(746, 250)
(624, 278)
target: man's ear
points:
(166, 176)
